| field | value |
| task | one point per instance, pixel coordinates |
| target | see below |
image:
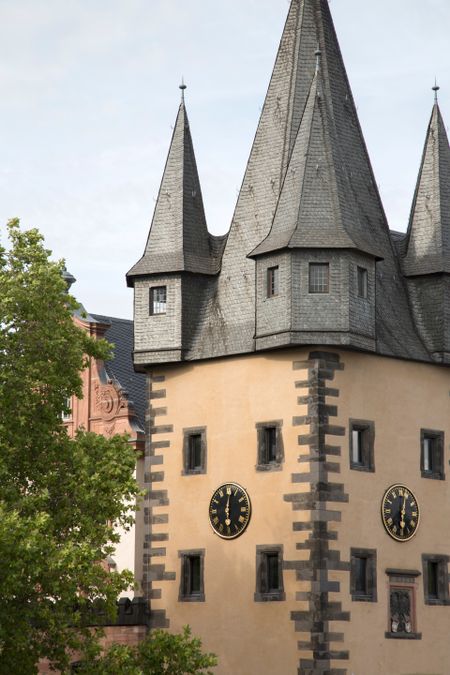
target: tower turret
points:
(179, 256)
(426, 263)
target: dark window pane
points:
(194, 576)
(319, 278)
(270, 444)
(273, 576)
(433, 587)
(272, 281)
(360, 567)
(195, 451)
(362, 282)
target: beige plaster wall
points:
(401, 398)
(229, 397)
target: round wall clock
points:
(229, 510)
(400, 512)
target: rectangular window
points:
(191, 577)
(363, 286)
(435, 579)
(402, 605)
(194, 450)
(67, 414)
(270, 453)
(269, 574)
(432, 454)
(362, 441)
(363, 574)
(319, 277)
(272, 281)
(158, 300)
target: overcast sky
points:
(89, 94)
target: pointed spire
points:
(428, 249)
(178, 240)
(319, 206)
(309, 46)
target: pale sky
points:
(89, 94)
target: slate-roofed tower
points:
(426, 263)
(179, 255)
(320, 246)
(308, 211)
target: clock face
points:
(400, 512)
(229, 510)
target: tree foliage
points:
(161, 653)
(60, 498)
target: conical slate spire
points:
(428, 248)
(317, 206)
(178, 240)
(309, 28)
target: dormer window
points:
(158, 300)
(272, 281)
(319, 277)
(363, 285)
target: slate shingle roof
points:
(308, 183)
(120, 368)
(428, 239)
(178, 240)
(229, 310)
(319, 205)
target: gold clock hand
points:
(402, 521)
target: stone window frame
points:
(313, 284)
(185, 557)
(261, 592)
(362, 282)
(261, 463)
(152, 300)
(187, 433)
(438, 437)
(367, 427)
(442, 561)
(273, 281)
(370, 555)
(406, 581)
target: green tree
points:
(161, 653)
(60, 498)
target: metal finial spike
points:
(436, 89)
(182, 87)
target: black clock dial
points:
(400, 512)
(229, 510)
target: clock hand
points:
(227, 512)
(402, 521)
